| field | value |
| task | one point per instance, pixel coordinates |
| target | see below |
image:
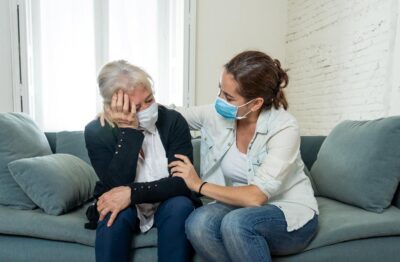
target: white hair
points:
(121, 75)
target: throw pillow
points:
(56, 183)
(19, 138)
(358, 163)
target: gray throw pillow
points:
(358, 163)
(56, 183)
(72, 142)
(19, 138)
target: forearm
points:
(158, 191)
(122, 168)
(244, 196)
(115, 166)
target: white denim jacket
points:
(274, 161)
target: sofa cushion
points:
(67, 227)
(359, 163)
(56, 183)
(19, 138)
(339, 222)
(72, 142)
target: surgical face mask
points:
(229, 111)
(148, 117)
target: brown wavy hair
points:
(259, 75)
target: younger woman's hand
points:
(186, 171)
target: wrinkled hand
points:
(121, 112)
(185, 170)
(114, 201)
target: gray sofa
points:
(346, 232)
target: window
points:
(71, 40)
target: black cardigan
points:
(114, 153)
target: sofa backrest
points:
(309, 148)
(52, 138)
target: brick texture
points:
(339, 56)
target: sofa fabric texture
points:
(70, 142)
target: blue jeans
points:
(220, 232)
(114, 243)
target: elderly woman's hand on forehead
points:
(121, 111)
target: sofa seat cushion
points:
(68, 227)
(339, 222)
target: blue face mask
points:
(229, 111)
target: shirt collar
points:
(152, 130)
(262, 121)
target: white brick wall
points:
(339, 53)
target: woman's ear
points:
(258, 103)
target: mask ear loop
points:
(245, 115)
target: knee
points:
(179, 206)
(234, 223)
(197, 225)
(121, 222)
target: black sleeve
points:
(115, 166)
(178, 142)
(158, 191)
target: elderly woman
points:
(131, 157)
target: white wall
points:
(6, 91)
(341, 56)
(395, 76)
(227, 27)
